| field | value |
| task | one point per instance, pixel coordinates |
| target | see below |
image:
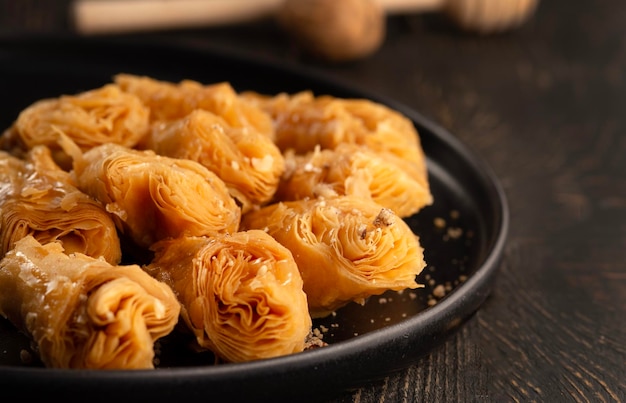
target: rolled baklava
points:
(248, 162)
(90, 118)
(241, 294)
(304, 121)
(38, 198)
(346, 248)
(353, 170)
(153, 197)
(170, 101)
(83, 312)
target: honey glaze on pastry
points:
(354, 170)
(248, 162)
(83, 312)
(171, 101)
(256, 214)
(347, 248)
(154, 197)
(90, 118)
(304, 121)
(40, 199)
(241, 294)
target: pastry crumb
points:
(384, 218)
(439, 222)
(439, 291)
(455, 232)
(25, 356)
(314, 340)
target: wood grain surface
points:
(545, 107)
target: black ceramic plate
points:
(463, 234)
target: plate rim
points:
(440, 315)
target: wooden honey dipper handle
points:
(114, 16)
(337, 30)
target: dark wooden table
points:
(545, 107)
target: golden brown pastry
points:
(83, 312)
(99, 116)
(353, 170)
(258, 213)
(154, 197)
(241, 294)
(171, 101)
(347, 248)
(304, 121)
(248, 162)
(40, 199)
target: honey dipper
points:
(333, 29)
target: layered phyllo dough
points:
(146, 207)
(241, 294)
(347, 248)
(91, 118)
(83, 312)
(38, 198)
(353, 170)
(247, 161)
(304, 121)
(170, 101)
(152, 197)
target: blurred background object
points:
(329, 29)
(352, 29)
